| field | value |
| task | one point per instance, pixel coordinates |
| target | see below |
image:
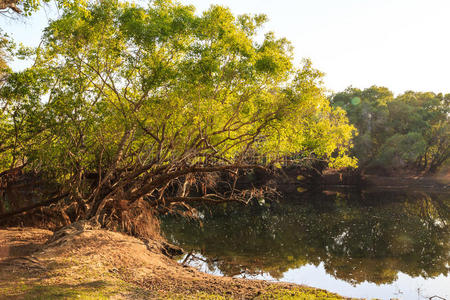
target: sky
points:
(401, 44)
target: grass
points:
(67, 278)
(200, 295)
(93, 290)
(300, 293)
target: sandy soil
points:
(82, 261)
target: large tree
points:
(130, 108)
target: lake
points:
(367, 244)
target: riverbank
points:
(82, 262)
(298, 179)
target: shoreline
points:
(351, 179)
(81, 262)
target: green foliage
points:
(28, 7)
(272, 292)
(118, 87)
(400, 148)
(300, 293)
(408, 131)
(5, 46)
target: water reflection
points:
(355, 237)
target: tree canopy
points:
(409, 131)
(127, 105)
(28, 7)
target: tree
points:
(426, 114)
(10, 5)
(28, 7)
(134, 109)
(368, 111)
(409, 131)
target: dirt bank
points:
(89, 263)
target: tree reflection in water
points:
(368, 236)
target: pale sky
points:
(400, 44)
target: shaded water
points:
(359, 244)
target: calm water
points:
(360, 244)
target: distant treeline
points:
(408, 132)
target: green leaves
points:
(398, 132)
(28, 7)
(125, 88)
